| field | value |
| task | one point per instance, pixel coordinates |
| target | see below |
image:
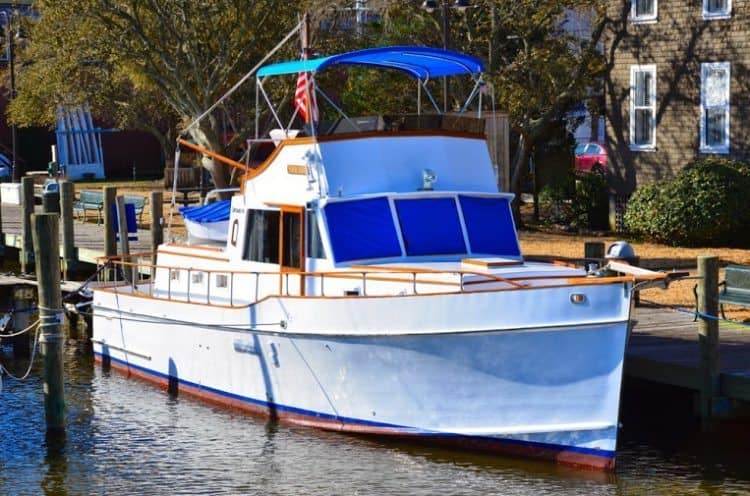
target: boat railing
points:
(136, 272)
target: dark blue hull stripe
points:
(346, 420)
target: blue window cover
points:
(430, 226)
(362, 229)
(490, 226)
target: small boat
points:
(371, 281)
(207, 223)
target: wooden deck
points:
(664, 348)
(89, 237)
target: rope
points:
(695, 313)
(3, 369)
(2, 336)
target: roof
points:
(418, 62)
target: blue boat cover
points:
(213, 212)
(489, 224)
(430, 226)
(362, 229)
(419, 62)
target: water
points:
(129, 437)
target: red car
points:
(590, 157)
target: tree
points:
(540, 69)
(151, 62)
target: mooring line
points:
(695, 313)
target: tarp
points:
(430, 226)
(362, 229)
(419, 62)
(489, 224)
(213, 212)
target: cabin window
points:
(262, 239)
(489, 224)
(196, 278)
(314, 242)
(222, 281)
(430, 226)
(643, 107)
(362, 229)
(714, 128)
(643, 10)
(717, 9)
(174, 274)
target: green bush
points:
(704, 205)
(579, 200)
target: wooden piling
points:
(708, 333)
(157, 220)
(70, 257)
(47, 250)
(27, 201)
(122, 224)
(110, 243)
(593, 250)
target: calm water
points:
(128, 437)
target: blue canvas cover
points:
(430, 226)
(489, 224)
(362, 229)
(129, 221)
(418, 62)
(213, 212)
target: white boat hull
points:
(546, 388)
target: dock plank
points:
(664, 348)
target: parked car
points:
(590, 157)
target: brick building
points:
(678, 87)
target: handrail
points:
(367, 276)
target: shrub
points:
(704, 205)
(577, 199)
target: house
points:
(678, 87)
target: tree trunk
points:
(520, 162)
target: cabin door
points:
(292, 250)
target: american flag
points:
(300, 99)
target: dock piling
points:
(157, 222)
(708, 333)
(110, 243)
(27, 202)
(67, 196)
(23, 303)
(46, 248)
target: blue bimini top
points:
(418, 62)
(213, 212)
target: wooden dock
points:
(664, 348)
(89, 236)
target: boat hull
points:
(550, 392)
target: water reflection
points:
(126, 437)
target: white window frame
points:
(634, 69)
(723, 14)
(724, 147)
(644, 19)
